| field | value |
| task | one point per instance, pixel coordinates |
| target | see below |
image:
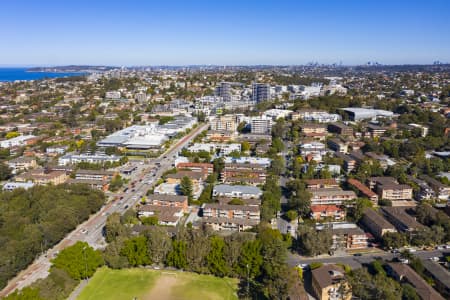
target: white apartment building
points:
(17, 141)
(261, 125)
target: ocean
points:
(12, 74)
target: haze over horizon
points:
(50, 33)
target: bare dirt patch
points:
(163, 288)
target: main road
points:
(91, 231)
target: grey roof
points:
(377, 219)
(225, 188)
(168, 198)
(114, 139)
(438, 272)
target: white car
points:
(435, 258)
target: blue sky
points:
(231, 32)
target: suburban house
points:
(376, 223)
(167, 215)
(329, 283)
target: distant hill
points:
(72, 69)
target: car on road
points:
(434, 258)
(84, 231)
(126, 206)
(357, 254)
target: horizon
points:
(232, 33)
(14, 66)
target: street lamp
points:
(85, 264)
(248, 280)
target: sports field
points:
(145, 284)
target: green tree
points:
(277, 166)
(313, 242)
(245, 146)
(292, 215)
(26, 293)
(219, 164)
(136, 251)
(116, 183)
(79, 260)
(177, 256)
(159, 244)
(5, 171)
(114, 228)
(361, 204)
(215, 258)
(409, 292)
(250, 259)
(394, 240)
(274, 268)
(278, 144)
(151, 220)
(186, 187)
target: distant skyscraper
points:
(260, 92)
(224, 91)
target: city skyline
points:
(230, 33)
